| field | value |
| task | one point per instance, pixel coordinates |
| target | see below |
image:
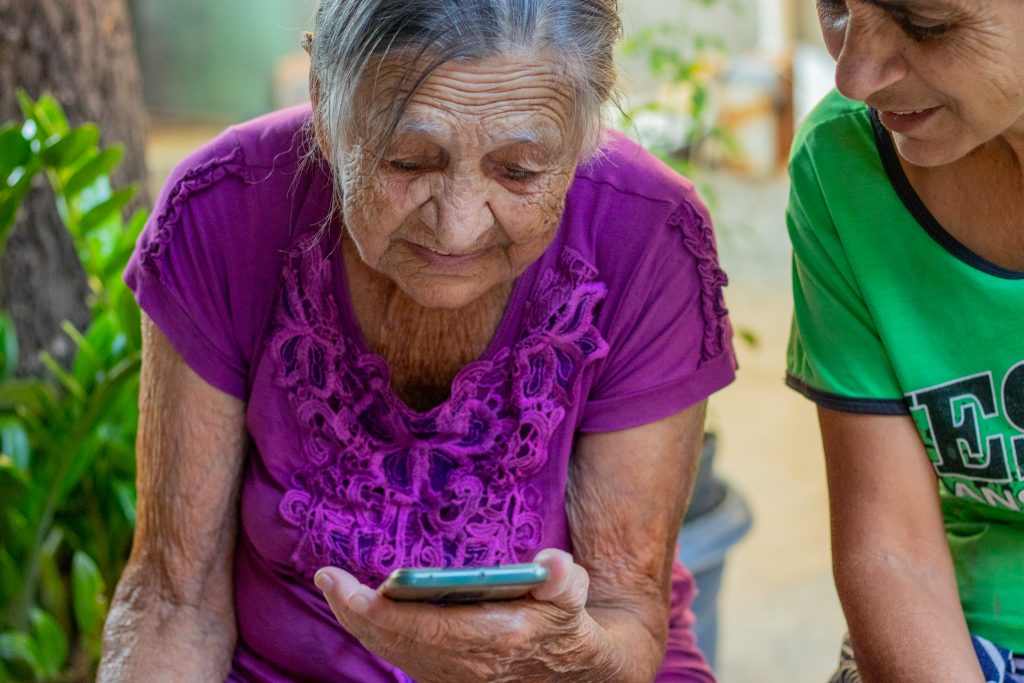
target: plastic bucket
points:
(704, 542)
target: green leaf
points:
(104, 210)
(87, 593)
(46, 112)
(49, 111)
(88, 362)
(126, 500)
(10, 575)
(97, 411)
(14, 442)
(28, 106)
(30, 397)
(100, 165)
(51, 644)
(748, 336)
(8, 347)
(14, 481)
(69, 148)
(18, 653)
(10, 200)
(135, 225)
(130, 318)
(53, 590)
(15, 150)
(66, 379)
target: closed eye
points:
(405, 165)
(921, 31)
(518, 174)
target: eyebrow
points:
(533, 135)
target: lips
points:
(905, 120)
(447, 261)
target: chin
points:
(447, 295)
(929, 154)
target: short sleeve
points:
(835, 356)
(202, 268)
(670, 342)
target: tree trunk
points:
(81, 52)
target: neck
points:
(423, 347)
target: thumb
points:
(568, 583)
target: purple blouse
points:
(620, 323)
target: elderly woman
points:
(442, 320)
(907, 221)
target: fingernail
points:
(323, 581)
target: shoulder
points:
(838, 179)
(836, 128)
(624, 168)
(264, 151)
(627, 206)
(248, 186)
(647, 233)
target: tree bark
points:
(81, 52)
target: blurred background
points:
(715, 87)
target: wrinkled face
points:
(945, 75)
(471, 188)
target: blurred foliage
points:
(686, 61)
(67, 456)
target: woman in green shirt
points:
(907, 220)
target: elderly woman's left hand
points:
(538, 638)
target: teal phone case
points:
(464, 584)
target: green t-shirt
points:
(894, 316)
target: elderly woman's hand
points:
(538, 638)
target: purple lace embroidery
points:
(196, 178)
(699, 239)
(388, 487)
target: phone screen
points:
(464, 584)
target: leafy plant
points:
(67, 502)
(684, 61)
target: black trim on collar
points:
(846, 404)
(920, 212)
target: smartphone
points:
(464, 584)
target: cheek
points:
(531, 221)
(984, 83)
(376, 209)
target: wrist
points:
(616, 650)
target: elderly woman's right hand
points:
(549, 635)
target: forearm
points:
(152, 638)
(905, 621)
(624, 515)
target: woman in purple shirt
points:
(444, 319)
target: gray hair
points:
(354, 37)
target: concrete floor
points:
(780, 617)
(780, 620)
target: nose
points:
(459, 214)
(871, 57)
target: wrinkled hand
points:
(545, 636)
